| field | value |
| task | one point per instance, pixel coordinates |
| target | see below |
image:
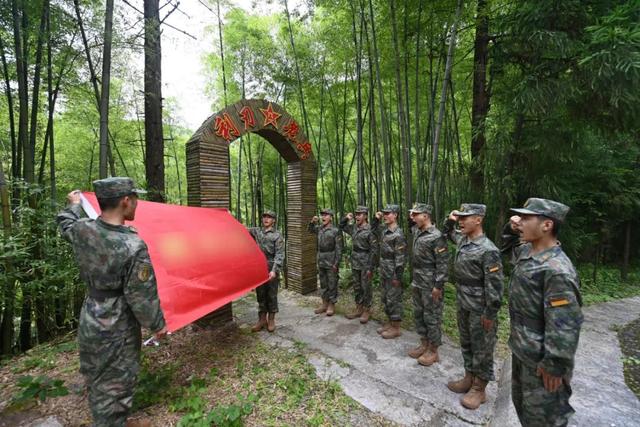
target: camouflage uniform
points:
(363, 257)
(429, 259)
(329, 255)
(272, 245)
(393, 250)
(544, 306)
(121, 296)
(478, 275)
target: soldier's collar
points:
(121, 228)
(267, 229)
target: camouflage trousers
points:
(328, 284)
(535, 406)
(361, 287)
(267, 295)
(428, 315)
(110, 370)
(477, 344)
(391, 299)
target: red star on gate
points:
(270, 116)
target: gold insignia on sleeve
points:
(144, 273)
(494, 269)
(558, 302)
(440, 250)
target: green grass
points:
(607, 285)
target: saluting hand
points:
(551, 382)
(314, 219)
(379, 215)
(74, 197)
(349, 216)
(514, 221)
(453, 215)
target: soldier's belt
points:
(537, 325)
(470, 283)
(102, 294)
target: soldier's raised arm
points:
(441, 253)
(493, 283)
(68, 217)
(278, 259)
(373, 253)
(562, 321)
(313, 226)
(449, 229)
(141, 292)
(347, 226)
(511, 244)
(377, 226)
(338, 249)
(400, 250)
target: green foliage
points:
(607, 285)
(40, 388)
(154, 384)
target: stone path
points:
(378, 374)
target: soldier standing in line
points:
(121, 296)
(272, 245)
(429, 259)
(363, 260)
(393, 249)
(479, 276)
(329, 255)
(546, 316)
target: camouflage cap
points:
(362, 209)
(391, 209)
(326, 211)
(468, 209)
(270, 213)
(117, 186)
(421, 208)
(549, 208)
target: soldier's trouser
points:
(477, 344)
(535, 406)
(361, 287)
(329, 284)
(267, 295)
(428, 315)
(111, 370)
(391, 299)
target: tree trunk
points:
(359, 143)
(443, 99)
(6, 325)
(480, 102)
(624, 271)
(104, 93)
(15, 167)
(21, 70)
(153, 136)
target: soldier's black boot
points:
(271, 323)
(262, 322)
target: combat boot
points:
(271, 323)
(463, 385)
(476, 395)
(357, 313)
(393, 331)
(138, 422)
(430, 356)
(418, 351)
(331, 309)
(262, 322)
(322, 308)
(384, 327)
(364, 317)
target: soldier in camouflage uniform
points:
(363, 260)
(429, 259)
(272, 245)
(393, 250)
(121, 296)
(546, 316)
(479, 276)
(329, 255)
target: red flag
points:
(203, 258)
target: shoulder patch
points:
(144, 272)
(442, 249)
(494, 268)
(558, 302)
(133, 229)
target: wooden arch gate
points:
(208, 176)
